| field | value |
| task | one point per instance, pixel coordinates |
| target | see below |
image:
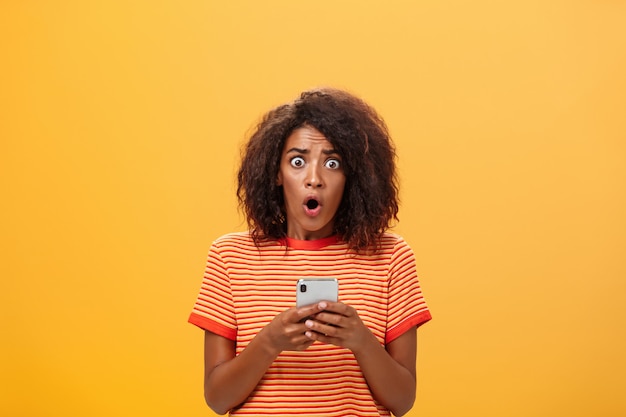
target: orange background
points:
(120, 129)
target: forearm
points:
(230, 383)
(392, 384)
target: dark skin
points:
(389, 371)
(310, 166)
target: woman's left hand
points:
(338, 324)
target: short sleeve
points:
(213, 309)
(406, 308)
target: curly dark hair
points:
(360, 136)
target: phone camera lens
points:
(302, 287)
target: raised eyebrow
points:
(306, 151)
(298, 150)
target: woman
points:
(318, 186)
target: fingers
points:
(332, 316)
(328, 322)
(323, 333)
(304, 345)
(307, 311)
(333, 319)
(313, 337)
(338, 324)
(336, 307)
(333, 307)
(320, 328)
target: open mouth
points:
(312, 207)
(312, 204)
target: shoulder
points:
(393, 241)
(234, 238)
(242, 241)
(396, 248)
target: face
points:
(313, 180)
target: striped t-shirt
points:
(245, 286)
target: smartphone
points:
(314, 290)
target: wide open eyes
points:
(297, 162)
(330, 163)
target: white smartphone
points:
(314, 290)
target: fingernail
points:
(308, 323)
(322, 305)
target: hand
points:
(338, 324)
(286, 331)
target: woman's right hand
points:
(229, 378)
(286, 330)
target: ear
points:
(279, 179)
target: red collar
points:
(309, 244)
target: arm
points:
(390, 372)
(229, 379)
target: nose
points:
(313, 177)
